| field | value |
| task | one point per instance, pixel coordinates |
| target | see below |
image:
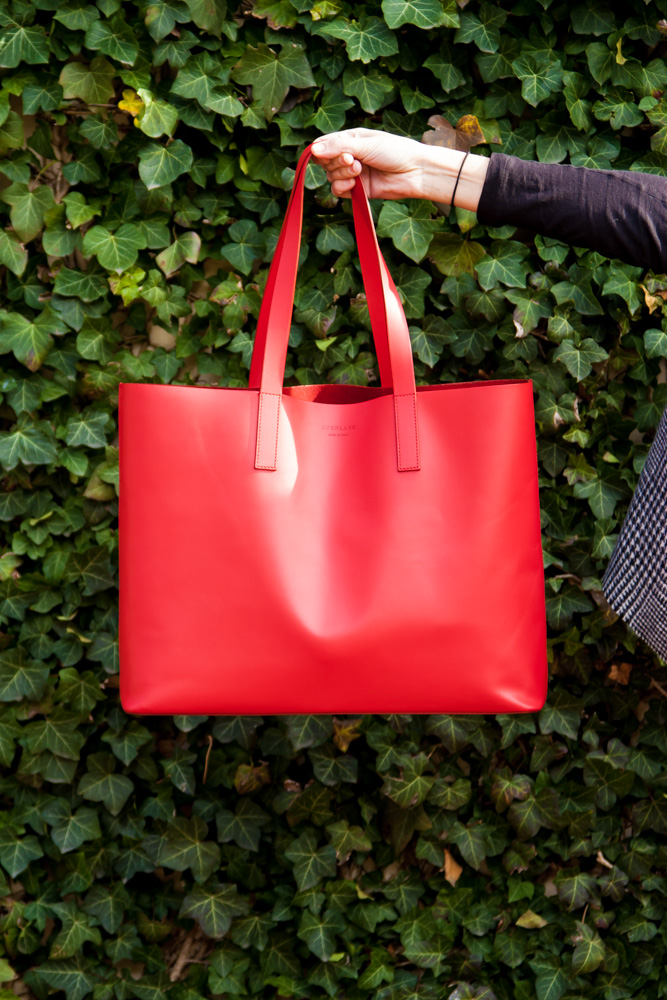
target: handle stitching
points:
(407, 468)
(259, 429)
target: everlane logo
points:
(338, 430)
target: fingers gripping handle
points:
(389, 326)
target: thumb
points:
(333, 143)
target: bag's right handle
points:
(389, 325)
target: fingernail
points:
(319, 148)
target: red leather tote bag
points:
(330, 548)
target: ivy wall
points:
(148, 151)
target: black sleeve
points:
(619, 213)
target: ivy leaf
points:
(411, 229)
(17, 852)
(579, 360)
(271, 75)
(330, 116)
(423, 13)
(29, 340)
(482, 29)
(116, 251)
(21, 677)
(92, 84)
(73, 976)
(74, 932)
(372, 89)
(101, 784)
(505, 262)
(155, 117)
(246, 245)
(12, 254)
(319, 932)
(26, 444)
(551, 984)
(28, 208)
(310, 864)
(539, 75)
(365, 39)
(186, 247)
(453, 255)
(214, 906)
(22, 43)
(186, 846)
(115, 38)
(209, 15)
(160, 165)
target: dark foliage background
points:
(148, 151)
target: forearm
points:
(620, 213)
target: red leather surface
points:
(332, 583)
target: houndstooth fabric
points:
(635, 581)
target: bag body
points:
(330, 548)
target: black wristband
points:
(458, 177)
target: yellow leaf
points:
(453, 869)
(344, 732)
(530, 920)
(131, 103)
(620, 59)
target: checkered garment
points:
(621, 214)
(635, 581)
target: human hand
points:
(394, 166)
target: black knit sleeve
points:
(619, 213)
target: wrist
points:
(440, 168)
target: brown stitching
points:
(407, 468)
(278, 395)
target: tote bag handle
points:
(390, 329)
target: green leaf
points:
(73, 976)
(209, 15)
(246, 245)
(483, 29)
(157, 117)
(579, 360)
(115, 38)
(453, 255)
(423, 13)
(186, 846)
(12, 254)
(551, 984)
(413, 785)
(310, 864)
(365, 40)
(539, 75)
(26, 444)
(20, 677)
(319, 932)
(17, 852)
(28, 208)
(271, 75)
(504, 262)
(330, 116)
(116, 251)
(74, 932)
(186, 247)
(92, 84)
(372, 88)
(214, 906)
(411, 229)
(101, 784)
(160, 165)
(21, 43)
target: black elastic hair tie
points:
(458, 178)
